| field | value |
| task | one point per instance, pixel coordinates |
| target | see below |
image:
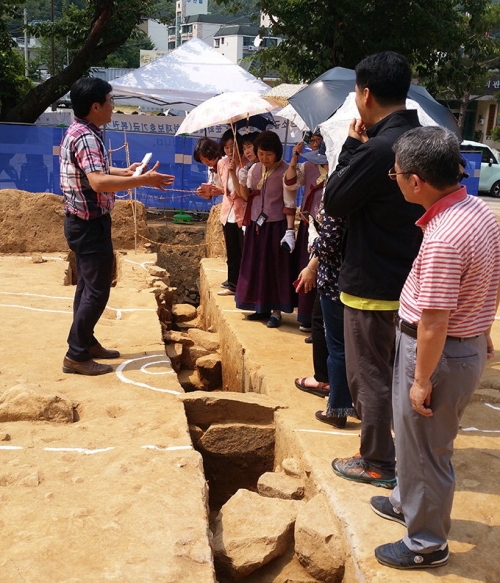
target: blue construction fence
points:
(29, 160)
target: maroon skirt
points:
(266, 278)
(305, 301)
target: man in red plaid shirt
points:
(88, 184)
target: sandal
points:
(320, 390)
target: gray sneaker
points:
(399, 556)
(382, 506)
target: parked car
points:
(489, 177)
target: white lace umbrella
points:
(336, 129)
(225, 108)
(290, 114)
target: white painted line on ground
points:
(35, 309)
(36, 295)
(145, 366)
(480, 430)
(327, 432)
(492, 406)
(101, 450)
(124, 379)
(216, 270)
(79, 449)
(143, 264)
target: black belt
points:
(411, 330)
(405, 327)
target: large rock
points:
(236, 439)
(319, 544)
(174, 353)
(251, 530)
(190, 380)
(280, 485)
(23, 403)
(191, 354)
(208, 340)
(206, 408)
(184, 312)
(209, 368)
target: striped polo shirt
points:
(82, 152)
(458, 265)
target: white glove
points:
(288, 241)
(312, 235)
(242, 176)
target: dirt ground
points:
(120, 494)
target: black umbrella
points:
(321, 99)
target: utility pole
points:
(26, 53)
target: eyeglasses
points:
(393, 174)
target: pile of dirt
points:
(33, 222)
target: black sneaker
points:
(225, 283)
(382, 506)
(398, 556)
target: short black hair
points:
(249, 138)
(87, 91)
(207, 148)
(387, 75)
(269, 142)
(226, 136)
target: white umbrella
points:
(290, 114)
(335, 129)
(225, 108)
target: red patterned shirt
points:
(458, 265)
(82, 151)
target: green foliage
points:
(236, 8)
(495, 134)
(13, 84)
(89, 31)
(128, 55)
(323, 34)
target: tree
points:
(323, 34)
(462, 70)
(94, 31)
(13, 84)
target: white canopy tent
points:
(184, 78)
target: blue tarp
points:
(29, 160)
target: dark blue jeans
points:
(339, 399)
(91, 243)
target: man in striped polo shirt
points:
(447, 308)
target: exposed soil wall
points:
(33, 222)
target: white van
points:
(489, 178)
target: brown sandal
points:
(320, 390)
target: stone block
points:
(184, 312)
(208, 340)
(174, 353)
(189, 380)
(170, 336)
(191, 354)
(292, 467)
(250, 531)
(209, 368)
(236, 439)
(280, 485)
(319, 543)
(206, 408)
